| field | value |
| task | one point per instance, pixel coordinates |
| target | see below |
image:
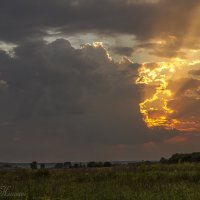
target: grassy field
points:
(148, 182)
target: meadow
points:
(138, 182)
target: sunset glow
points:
(155, 108)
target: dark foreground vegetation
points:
(136, 182)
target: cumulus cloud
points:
(75, 96)
(55, 79)
(69, 102)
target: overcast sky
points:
(84, 80)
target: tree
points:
(76, 165)
(181, 158)
(163, 160)
(33, 165)
(67, 164)
(91, 164)
(95, 164)
(42, 166)
(59, 165)
(107, 164)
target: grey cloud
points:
(68, 102)
(3, 85)
(53, 79)
(30, 18)
(124, 51)
(57, 79)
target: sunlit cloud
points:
(161, 105)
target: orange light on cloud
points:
(149, 145)
(155, 107)
(176, 139)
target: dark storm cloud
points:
(124, 51)
(68, 102)
(20, 18)
(52, 79)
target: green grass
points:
(148, 182)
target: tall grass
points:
(148, 182)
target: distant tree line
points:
(35, 165)
(99, 164)
(180, 158)
(83, 165)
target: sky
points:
(98, 80)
